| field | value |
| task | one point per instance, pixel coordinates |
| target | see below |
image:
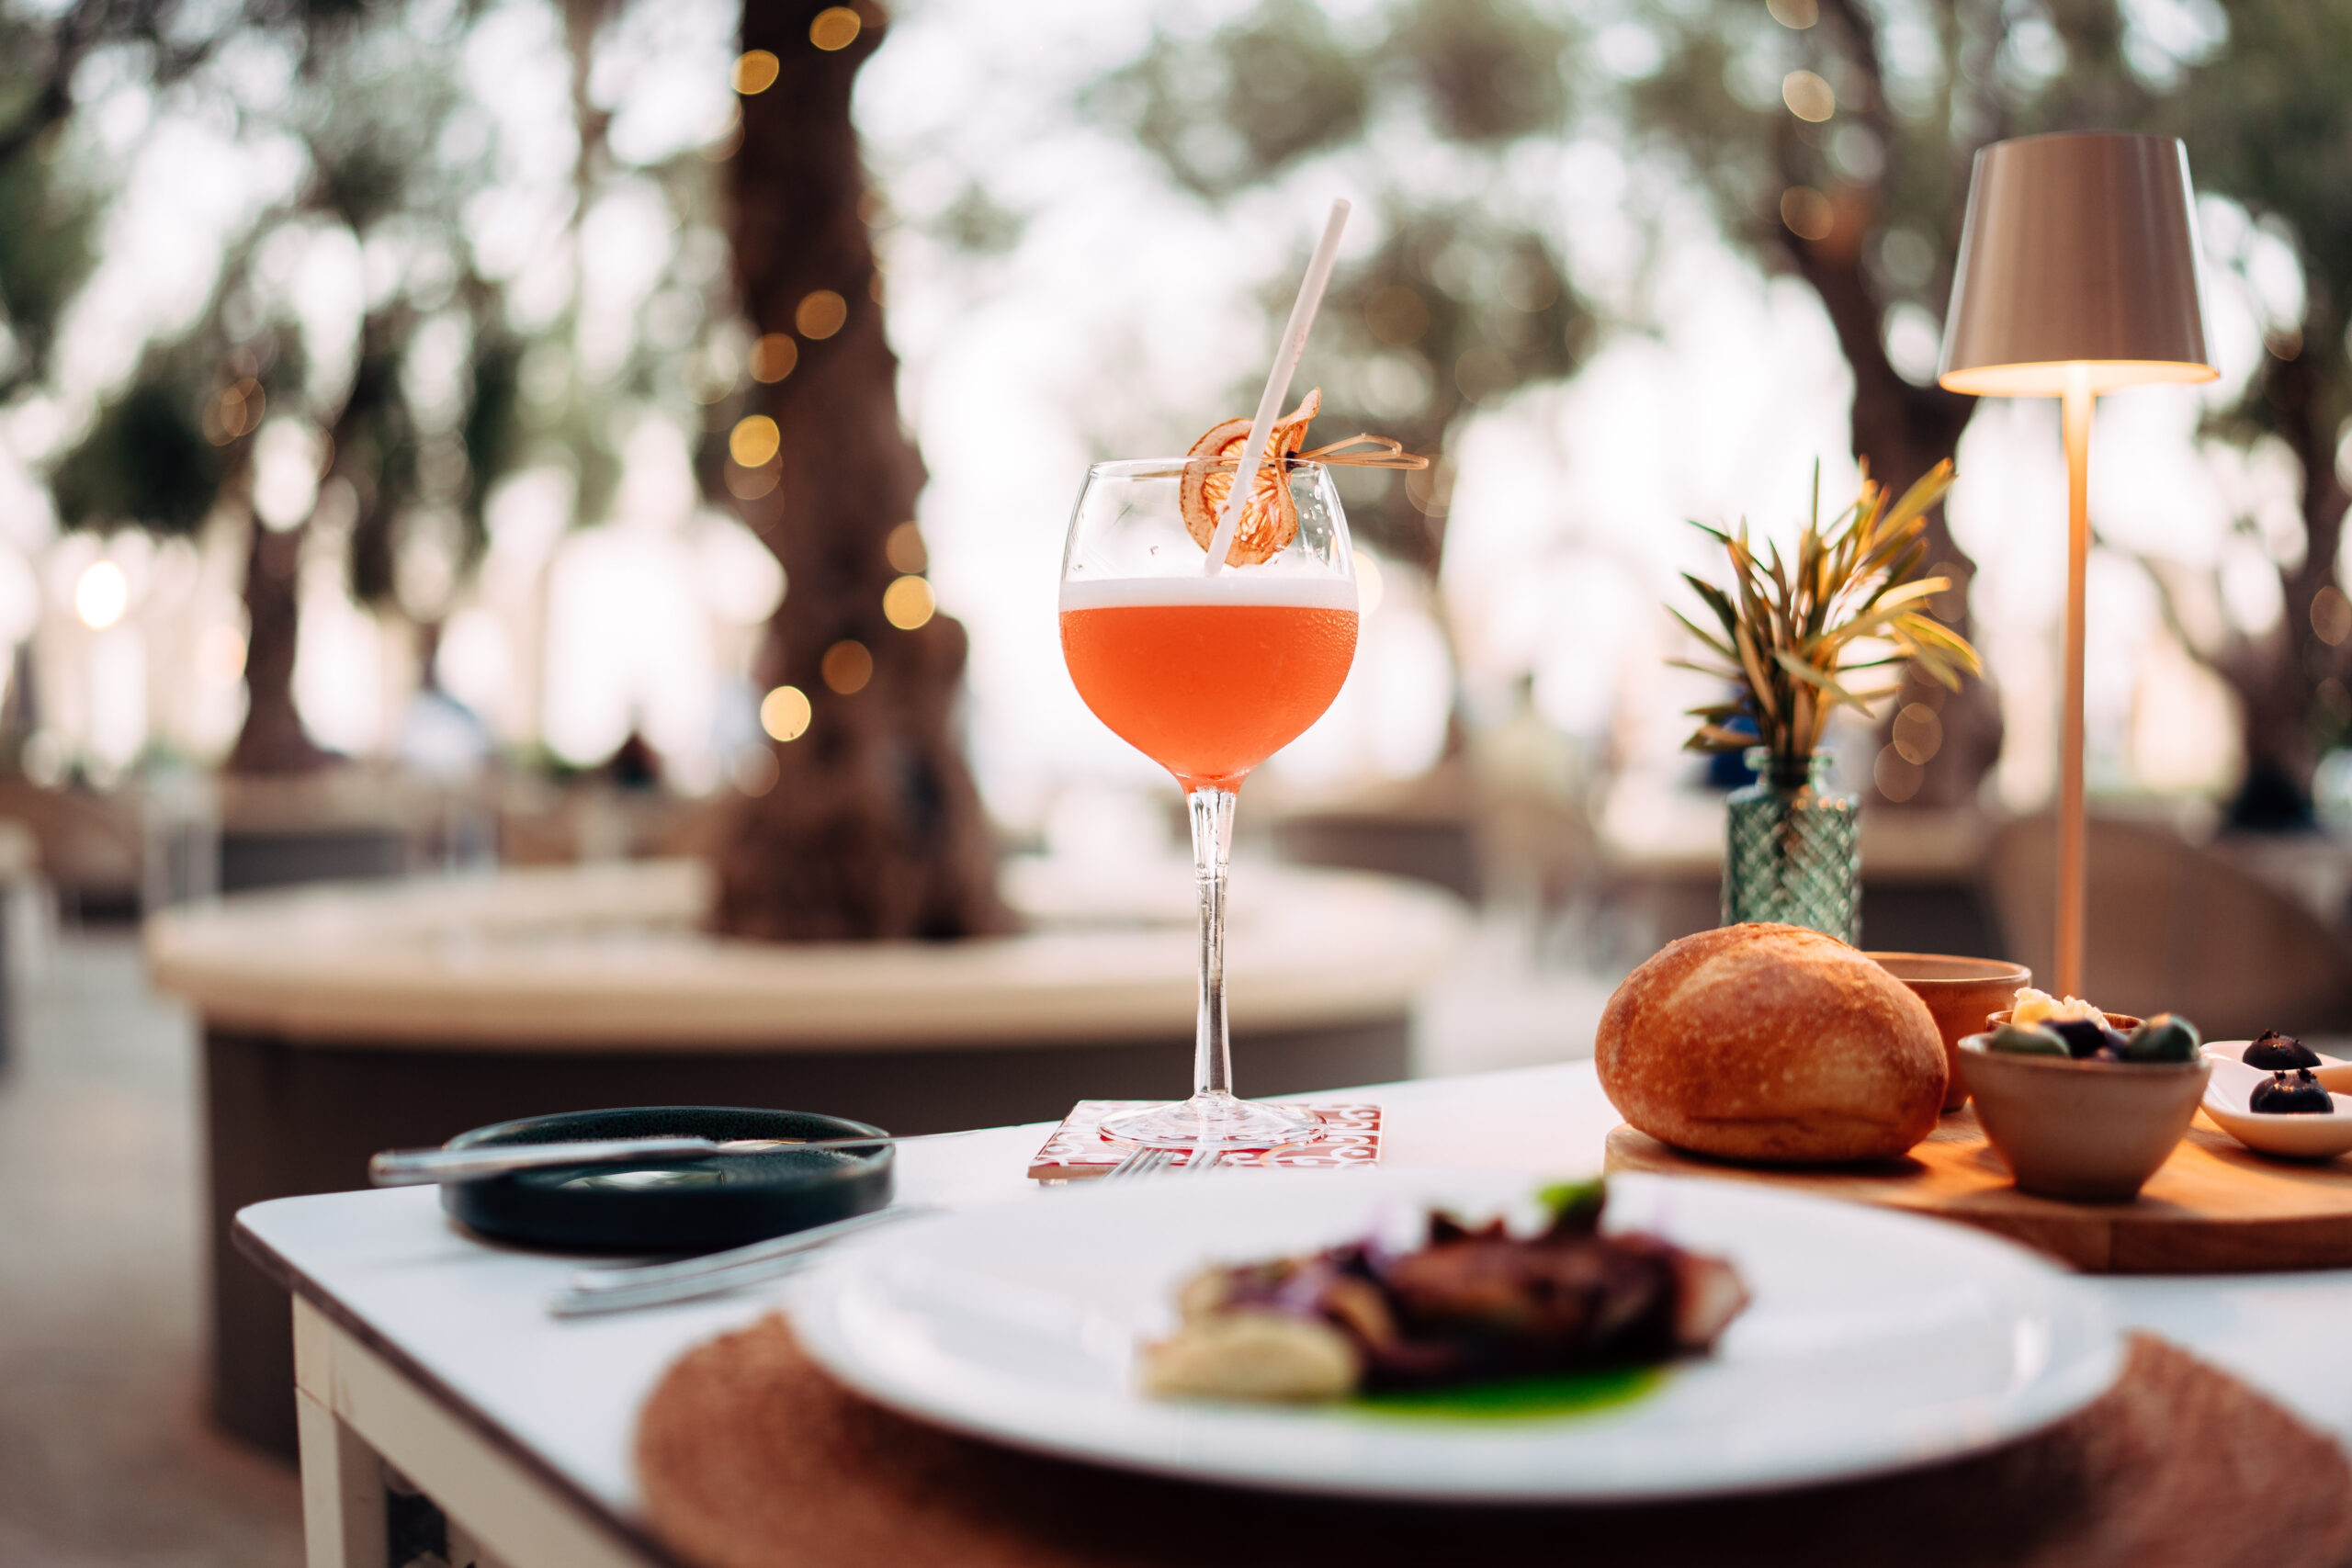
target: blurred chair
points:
(1424, 827)
(91, 846)
(2175, 927)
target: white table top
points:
(469, 1316)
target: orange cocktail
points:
(1208, 677)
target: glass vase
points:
(1793, 849)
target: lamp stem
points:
(2072, 877)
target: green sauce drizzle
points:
(1544, 1396)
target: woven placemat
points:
(751, 1457)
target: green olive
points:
(2163, 1038)
(2034, 1041)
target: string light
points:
(755, 440)
(755, 72)
(783, 713)
(773, 357)
(1808, 96)
(847, 666)
(908, 604)
(820, 315)
(904, 548)
(836, 26)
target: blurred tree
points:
(1835, 137)
(371, 107)
(1465, 298)
(873, 828)
(2267, 123)
(1823, 162)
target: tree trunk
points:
(873, 830)
(272, 740)
(2277, 676)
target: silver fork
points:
(1144, 1159)
(1149, 1160)
(594, 1290)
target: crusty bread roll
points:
(1773, 1044)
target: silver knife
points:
(417, 1168)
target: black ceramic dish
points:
(689, 1206)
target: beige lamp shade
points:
(2078, 262)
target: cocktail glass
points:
(1209, 676)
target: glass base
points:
(1213, 1119)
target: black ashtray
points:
(695, 1205)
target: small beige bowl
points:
(2089, 1130)
(1959, 993)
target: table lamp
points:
(2078, 275)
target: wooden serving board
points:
(2214, 1208)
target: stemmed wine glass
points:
(1208, 675)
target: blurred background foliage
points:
(1833, 141)
(1828, 141)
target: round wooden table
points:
(340, 1020)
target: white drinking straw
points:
(1261, 429)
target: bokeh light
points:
(1808, 96)
(847, 666)
(908, 604)
(101, 595)
(1807, 212)
(773, 357)
(755, 71)
(820, 314)
(904, 548)
(836, 26)
(783, 713)
(1370, 585)
(755, 440)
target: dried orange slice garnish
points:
(1269, 517)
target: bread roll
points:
(1773, 1044)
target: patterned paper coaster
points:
(1350, 1136)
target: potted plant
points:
(1793, 633)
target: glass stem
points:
(1212, 814)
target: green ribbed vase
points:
(1792, 850)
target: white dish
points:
(1875, 1340)
(2228, 1096)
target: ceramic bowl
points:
(2084, 1130)
(2289, 1137)
(1960, 993)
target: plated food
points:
(1772, 1043)
(1471, 1305)
(1022, 1322)
(2277, 1096)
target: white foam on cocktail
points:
(1133, 592)
(1270, 402)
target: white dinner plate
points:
(1874, 1341)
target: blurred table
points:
(1661, 850)
(340, 1020)
(432, 1353)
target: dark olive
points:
(2291, 1094)
(2105, 1053)
(2277, 1053)
(2163, 1038)
(2083, 1036)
